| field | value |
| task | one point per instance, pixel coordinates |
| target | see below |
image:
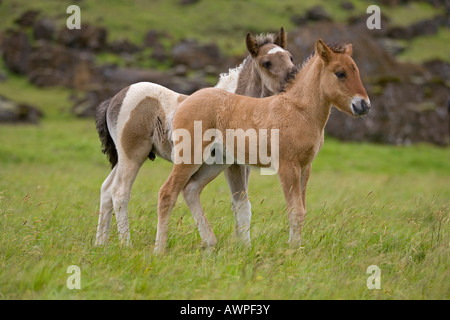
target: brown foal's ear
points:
(323, 51)
(348, 49)
(281, 39)
(252, 46)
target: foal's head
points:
(340, 79)
(272, 60)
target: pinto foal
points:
(328, 78)
(135, 125)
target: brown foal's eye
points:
(340, 75)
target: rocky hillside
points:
(410, 101)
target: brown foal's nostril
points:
(365, 106)
(360, 107)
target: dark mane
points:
(336, 47)
(263, 39)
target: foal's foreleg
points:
(304, 181)
(191, 193)
(237, 177)
(290, 176)
(106, 209)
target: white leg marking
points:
(106, 209)
(237, 179)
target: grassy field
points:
(232, 20)
(367, 205)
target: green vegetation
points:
(410, 13)
(53, 101)
(367, 204)
(218, 21)
(427, 48)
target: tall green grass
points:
(367, 205)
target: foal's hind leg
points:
(106, 209)
(237, 177)
(167, 198)
(127, 170)
(191, 193)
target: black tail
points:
(108, 146)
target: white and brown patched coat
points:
(136, 124)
